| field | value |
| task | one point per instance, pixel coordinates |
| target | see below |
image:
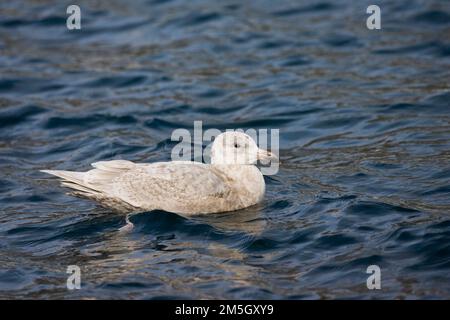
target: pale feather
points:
(180, 187)
(230, 183)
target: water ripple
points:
(364, 144)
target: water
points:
(364, 132)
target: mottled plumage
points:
(230, 183)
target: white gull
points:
(231, 182)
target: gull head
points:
(238, 148)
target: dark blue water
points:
(364, 121)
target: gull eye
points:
(236, 145)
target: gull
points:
(232, 181)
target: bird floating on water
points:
(231, 182)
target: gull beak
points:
(266, 156)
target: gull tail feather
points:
(70, 176)
(74, 180)
(82, 188)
